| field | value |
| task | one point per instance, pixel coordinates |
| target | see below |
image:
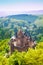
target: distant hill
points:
(36, 12)
(31, 24)
(25, 17)
(18, 20)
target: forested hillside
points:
(32, 25)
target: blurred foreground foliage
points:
(31, 57)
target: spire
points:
(20, 33)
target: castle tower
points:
(20, 34)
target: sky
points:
(19, 6)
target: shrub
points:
(31, 57)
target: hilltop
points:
(31, 24)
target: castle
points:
(21, 42)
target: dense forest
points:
(32, 25)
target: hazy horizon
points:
(20, 6)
